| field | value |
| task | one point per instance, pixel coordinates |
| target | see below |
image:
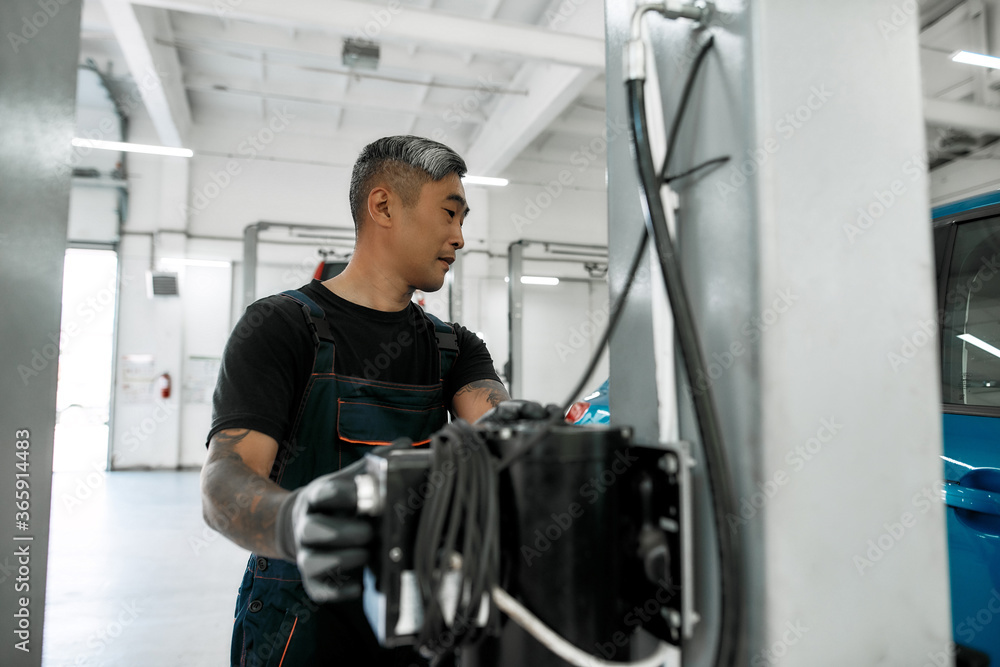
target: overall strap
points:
(447, 342)
(320, 329)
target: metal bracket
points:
(681, 464)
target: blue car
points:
(967, 248)
(592, 408)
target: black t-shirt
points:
(269, 357)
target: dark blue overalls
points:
(338, 420)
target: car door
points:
(967, 246)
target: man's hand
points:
(510, 411)
(314, 526)
(318, 529)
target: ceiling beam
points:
(420, 98)
(516, 122)
(552, 88)
(962, 115)
(195, 31)
(154, 67)
(931, 15)
(399, 22)
(314, 94)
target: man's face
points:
(428, 234)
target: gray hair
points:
(403, 162)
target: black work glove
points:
(515, 410)
(317, 528)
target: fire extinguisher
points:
(163, 384)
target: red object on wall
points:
(163, 382)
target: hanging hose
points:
(719, 475)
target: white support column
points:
(858, 437)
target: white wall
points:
(559, 322)
(227, 194)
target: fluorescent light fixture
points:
(215, 263)
(485, 180)
(982, 345)
(132, 148)
(535, 280)
(970, 58)
(539, 280)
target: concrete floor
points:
(134, 576)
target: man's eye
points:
(450, 212)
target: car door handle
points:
(975, 500)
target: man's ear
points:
(379, 206)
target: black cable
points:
(682, 105)
(429, 532)
(637, 258)
(720, 479)
(616, 311)
(462, 505)
(704, 165)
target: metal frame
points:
(251, 239)
(515, 293)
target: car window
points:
(970, 345)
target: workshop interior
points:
(742, 250)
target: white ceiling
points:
(490, 78)
(498, 80)
(959, 100)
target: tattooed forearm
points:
(236, 500)
(490, 390)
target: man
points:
(313, 379)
